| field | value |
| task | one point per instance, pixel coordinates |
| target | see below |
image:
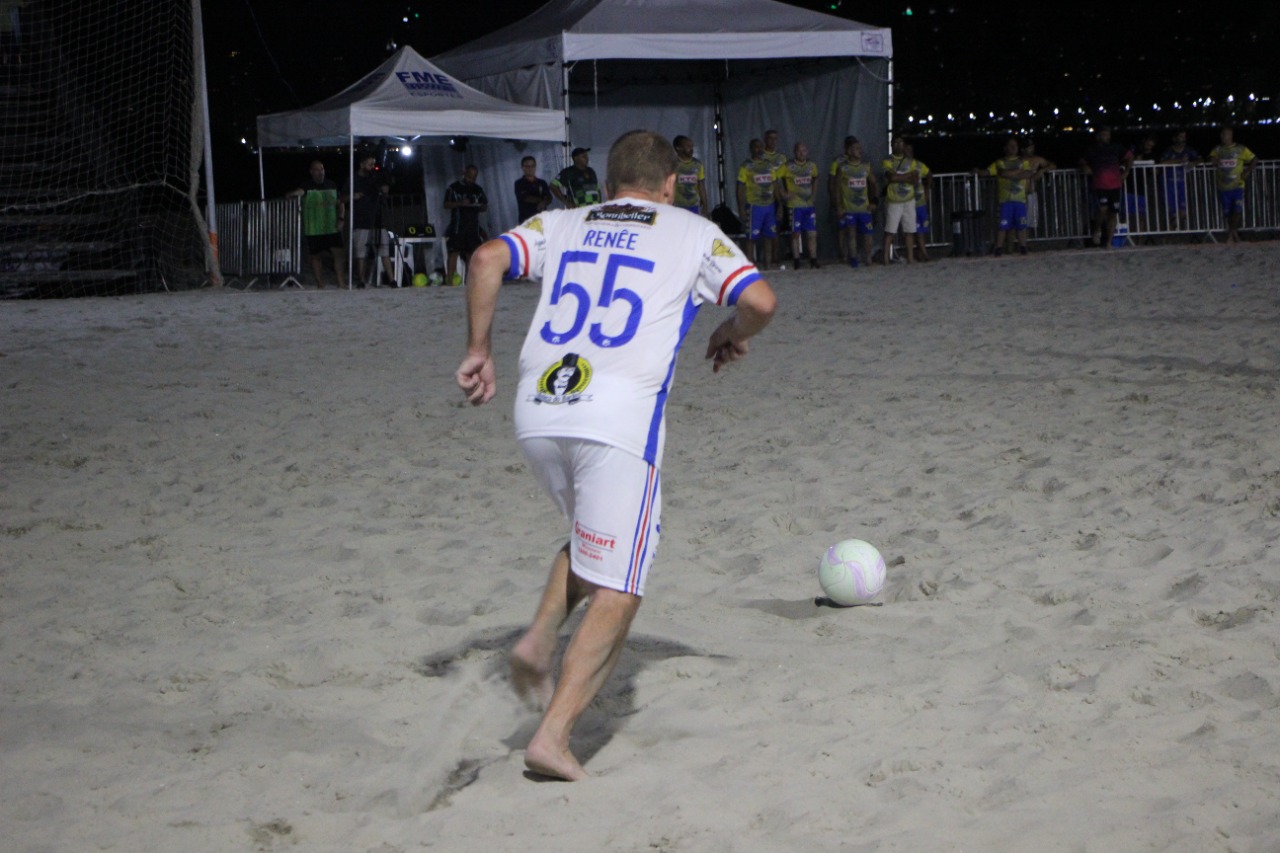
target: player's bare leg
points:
(591, 656)
(533, 654)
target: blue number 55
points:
(609, 292)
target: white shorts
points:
(900, 214)
(364, 238)
(613, 501)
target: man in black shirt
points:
(532, 193)
(465, 200)
(366, 219)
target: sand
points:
(260, 569)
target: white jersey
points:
(621, 284)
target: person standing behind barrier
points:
(366, 220)
(924, 189)
(577, 184)
(1107, 164)
(853, 190)
(1233, 164)
(800, 190)
(759, 186)
(691, 179)
(465, 200)
(323, 216)
(1013, 176)
(901, 179)
(533, 195)
(1039, 165)
(1177, 157)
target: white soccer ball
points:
(851, 572)
(435, 279)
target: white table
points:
(404, 253)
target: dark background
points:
(998, 62)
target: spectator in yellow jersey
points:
(901, 178)
(691, 179)
(852, 187)
(1233, 164)
(799, 193)
(1013, 177)
(759, 188)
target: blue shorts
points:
(1232, 201)
(922, 219)
(1013, 215)
(861, 221)
(1175, 191)
(803, 219)
(764, 222)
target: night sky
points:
(950, 58)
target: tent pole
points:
(568, 122)
(351, 224)
(889, 141)
(262, 181)
(719, 129)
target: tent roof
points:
(407, 97)
(572, 30)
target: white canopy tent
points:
(408, 101)
(718, 71)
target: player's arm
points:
(752, 312)
(476, 375)
(742, 197)
(704, 204)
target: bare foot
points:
(532, 682)
(556, 763)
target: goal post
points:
(101, 143)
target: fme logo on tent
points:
(422, 83)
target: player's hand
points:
(477, 378)
(722, 349)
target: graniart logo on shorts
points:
(564, 381)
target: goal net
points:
(100, 148)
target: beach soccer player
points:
(621, 283)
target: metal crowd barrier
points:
(261, 238)
(264, 238)
(963, 213)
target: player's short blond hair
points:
(640, 159)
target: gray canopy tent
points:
(409, 101)
(718, 71)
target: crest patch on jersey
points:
(535, 224)
(720, 250)
(564, 381)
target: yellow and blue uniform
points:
(689, 175)
(1011, 193)
(1230, 162)
(758, 178)
(899, 191)
(853, 180)
(801, 183)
